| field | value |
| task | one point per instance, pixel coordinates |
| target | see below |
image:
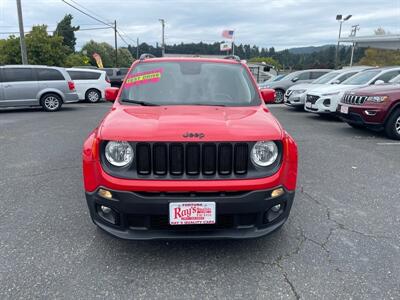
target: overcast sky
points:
(279, 23)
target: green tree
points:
(67, 31)
(76, 60)
(380, 57)
(45, 49)
(125, 58)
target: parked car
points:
(116, 75)
(276, 78)
(89, 84)
(295, 96)
(32, 85)
(291, 79)
(324, 100)
(189, 150)
(376, 107)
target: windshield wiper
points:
(144, 103)
(206, 104)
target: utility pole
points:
(162, 37)
(341, 20)
(354, 30)
(24, 56)
(115, 43)
(137, 48)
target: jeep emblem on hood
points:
(199, 135)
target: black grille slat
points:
(209, 159)
(143, 159)
(176, 159)
(225, 159)
(193, 159)
(353, 99)
(160, 163)
(241, 158)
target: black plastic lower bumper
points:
(144, 216)
(357, 119)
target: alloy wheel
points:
(93, 96)
(51, 103)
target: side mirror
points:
(268, 95)
(337, 81)
(111, 93)
(379, 82)
(295, 79)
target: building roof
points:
(387, 41)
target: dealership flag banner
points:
(225, 46)
(98, 60)
(228, 34)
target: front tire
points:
(51, 102)
(392, 126)
(93, 96)
(279, 96)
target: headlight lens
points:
(377, 99)
(264, 153)
(119, 154)
(299, 91)
(331, 94)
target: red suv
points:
(189, 150)
(376, 107)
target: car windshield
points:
(279, 77)
(326, 78)
(361, 78)
(189, 83)
(395, 79)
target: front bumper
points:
(367, 116)
(144, 215)
(324, 104)
(295, 100)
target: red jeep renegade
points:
(189, 150)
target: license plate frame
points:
(192, 213)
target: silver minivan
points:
(30, 85)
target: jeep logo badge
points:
(199, 135)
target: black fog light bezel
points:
(105, 218)
(326, 102)
(271, 216)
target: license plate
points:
(344, 109)
(191, 213)
(308, 104)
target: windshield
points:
(190, 83)
(326, 78)
(279, 77)
(361, 78)
(395, 79)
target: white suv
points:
(295, 96)
(324, 100)
(89, 84)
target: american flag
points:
(227, 34)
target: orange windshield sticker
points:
(152, 76)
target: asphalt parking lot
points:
(342, 239)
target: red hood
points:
(378, 90)
(170, 123)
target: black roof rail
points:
(235, 57)
(146, 55)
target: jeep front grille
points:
(192, 159)
(353, 99)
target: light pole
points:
(162, 37)
(354, 30)
(24, 56)
(341, 20)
